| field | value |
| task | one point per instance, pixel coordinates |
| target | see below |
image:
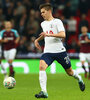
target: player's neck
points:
(50, 18)
(8, 30)
(84, 33)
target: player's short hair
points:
(84, 26)
(46, 6)
(7, 21)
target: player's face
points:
(84, 30)
(8, 25)
(45, 14)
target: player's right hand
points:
(37, 44)
(5, 40)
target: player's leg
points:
(73, 73)
(12, 54)
(88, 59)
(4, 70)
(45, 61)
(83, 66)
(82, 59)
(89, 70)
(1, 64)
(42, 80)
(64, 60)
(10, 61)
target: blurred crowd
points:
(26, 19)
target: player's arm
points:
(58, 35)
(87, 40)
(3, 40)
(17, 40)
(36, 42)
(17, 37)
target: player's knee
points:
(70, 73)
(41, 67)
(10, 61)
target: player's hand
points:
(45, 34)
(5, 40)
(86, 39)
(37, 44)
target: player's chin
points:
(44, 18)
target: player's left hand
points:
(86, 39)
(44, 34)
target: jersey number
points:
(67, 60)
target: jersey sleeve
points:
(42, 26)
(16, 33)
(60, 26)
(79, 37)
(0, 36)
(88, 35)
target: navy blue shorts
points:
(61, 58)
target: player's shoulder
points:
(43, 23)
(57, 20)
(80, 35)
(88, 35)
(2, 31)
(14, 30)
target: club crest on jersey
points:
(51, 26)
(11, 34)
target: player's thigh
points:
(12, 54)
(82, 57)
(43, 65)
(88, 57)
(6, 54)
(64, 60)
(46, 60)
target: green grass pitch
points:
(59, 86)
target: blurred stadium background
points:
(25, 16)
(26, 19)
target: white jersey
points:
(53, 44)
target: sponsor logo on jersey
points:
(9, 38)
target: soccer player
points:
(53, 32)
(9, 47)
(1, 64)
(84, 40)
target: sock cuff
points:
(74, 73)
(10, 64)
(83, 65)
(42, 71)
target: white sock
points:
(43, 80)
(4, 70)
(77, 76)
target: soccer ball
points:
(9, 82)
